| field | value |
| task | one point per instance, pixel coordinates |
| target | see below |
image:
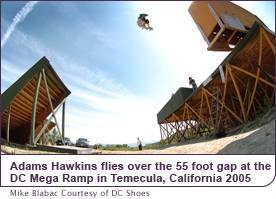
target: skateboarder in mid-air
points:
(142, 22)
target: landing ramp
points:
(65, 149)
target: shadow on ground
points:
(262, 141)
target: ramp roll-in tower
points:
(222, 24)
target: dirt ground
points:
(257, 137)
(257, 141)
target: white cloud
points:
(9, 73)
(19, 17)
(111, 117)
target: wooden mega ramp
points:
(27, 103)
(246, 79)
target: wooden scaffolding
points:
(26, 104)
(246, 79)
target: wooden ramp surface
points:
(65, 149)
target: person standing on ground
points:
(139, 142)
(192, 82)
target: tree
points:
(100, 145)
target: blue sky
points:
(120, 76)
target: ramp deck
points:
(65, 149)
